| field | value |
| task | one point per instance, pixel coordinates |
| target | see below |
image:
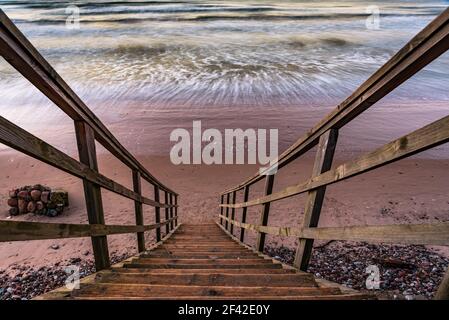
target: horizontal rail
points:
(425, 47)
(23, 141)
(418, 234)
(422, 139)
(22, 55)
(24, 230)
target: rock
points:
(59, 197)
(23, 206)
(45, 196)
(23, 195)
(52, 213)
(13, 193)
(36, 195)
(13, 202)
(86, 253)
(54, 246)
(75, 260)
(31, 207)
(14, 211)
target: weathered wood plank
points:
(221, 208)
(24, 57)
(245, 210)
(418, 234)
(138, 209)
(85, 138)
(314, 202)
(425, 47)
(443, 288)
(157, 213)
(231, 227)
(263, 220)
(420, 140)
(171, 211)
(24, 230)
(227, 211)
(23, 141)
(167, 214)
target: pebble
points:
(346, 263)
(55, 246)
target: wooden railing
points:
(21, 54)
(425, 47)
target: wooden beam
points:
(25, 231)
(167, 214)
(157, 212)
(424, 48)
(171, 212)
(263, 220)
(231, 229)
(420, 140)
(176, 209)
(87, 153)
(221, 208)
(23, 141)
(418, 234)
(315, 198)
(443, 289)
(227, 211)
(138, 209)
(25, 58)
(245, 210)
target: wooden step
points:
(203, 255)
(342, 297)
(201, 261)
(144, 290)
(209, 279)
(206, 271)
(202, 266)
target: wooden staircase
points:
(203, 262)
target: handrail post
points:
(157, 212)
(176, 210)
(85, 138)
(231, 227)
(221, 208)
(137, 185)
(171, 211)
(245, 210)
(227, 211)
(315, 198)
(263, 221)
(167, 216)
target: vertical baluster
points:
(167, 216)
(157, 212)
(263, 221)
(171, 212)
(176, 210)
(221, 209)
(227, 211)
(314, 202)
(85, 138)
(234, 194)
(137, 185)
(245, 210)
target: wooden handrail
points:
(432, 135)
(425, 47)
(22, 55)
(24, 230)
